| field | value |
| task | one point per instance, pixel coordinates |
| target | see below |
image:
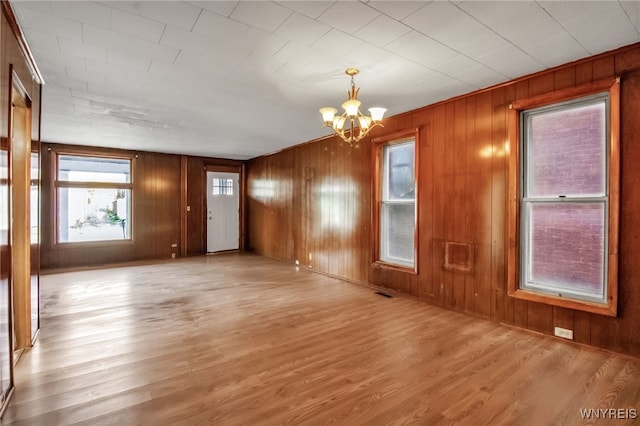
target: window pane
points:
(222, 186)
(399, 182)
(566, 151)
(4, 197)
(35, 223)
(35, 199)
(88, 214)
(567, 243)
(93, 169)
(398, 223)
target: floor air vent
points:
(379, 293)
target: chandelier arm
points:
(352, 138)
(352, 130)
(344, 126)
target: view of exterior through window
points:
(35, 198)
(564, 203)
(398, 204)
(93, 198)
(222, 186)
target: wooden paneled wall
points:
(156, 215)
(20, 85)
(164, 185)
(13, 56)
(312, 204)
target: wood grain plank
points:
(473, 194)
(564, 78)
(627, 62)
(509, 302)
(604, 67)
(541, 84)
(629, 238)
(584, 73)
(582, 327)
(520, 313)
(439, 203)
(450, 201)
(563, 317)
(540, 317)
(458, 213)
(499, 187)
(426, 189)
(482, 291)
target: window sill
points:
(379, 264)
(89, 244)
(563, 302)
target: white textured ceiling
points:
(238, 79)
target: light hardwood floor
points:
(241, 339)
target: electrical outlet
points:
(563, 332)
(173, 255)
(297, 262)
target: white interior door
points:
(223, 216)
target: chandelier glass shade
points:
(352, 125)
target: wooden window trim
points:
(612, 86)
(55, 184)
(89, 184)
(377, 145)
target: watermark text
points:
(608, 413)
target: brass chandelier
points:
(344, 125)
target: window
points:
(4, 197)
(395, 198)
(567, 201)
(222, 186)
(93, 198)
(35, 198)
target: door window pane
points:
(222, 186)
